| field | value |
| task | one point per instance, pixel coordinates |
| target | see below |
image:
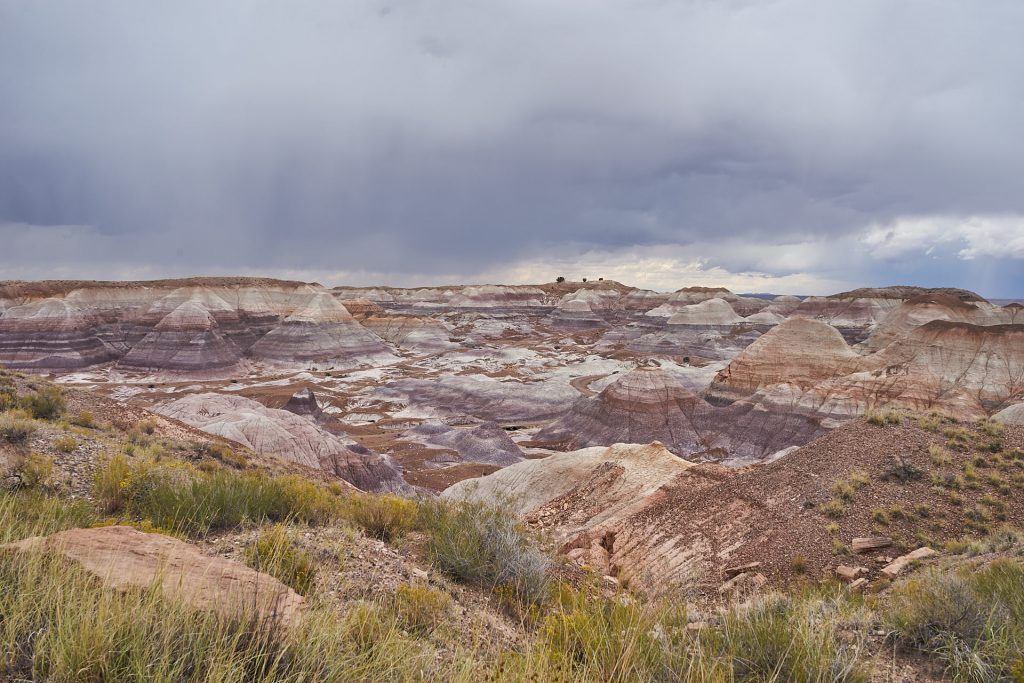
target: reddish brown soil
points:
(787, 496)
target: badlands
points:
(698, 443)
(406, 389)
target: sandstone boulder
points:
(125, 558)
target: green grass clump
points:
(83, 419)
(60, 624)
(484, 544)
(384, 517)
(8, 395)
(843, 490)
(16, 430)
(993, 428)
(177, 497)
(420, 609)
(973, 621)
(34, 472)
(66, 443)
(587, 638)
(939, 455)
(46, 403)
(31, 512)
(275, 553)
(948, 480)
(783, 638)
(930, 423)
(833, 509)
(882, 418)
(221, 452)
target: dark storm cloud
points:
(452, 138)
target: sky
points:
(787, 146)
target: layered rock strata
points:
(281, 433)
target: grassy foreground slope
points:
(421, 590)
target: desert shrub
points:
(880, 516)
(16, 430)
(45, 404)
(842, 490)
(221, 452)
(782, 638)
(974, 621)
(923, 510)
(798, 564)
(384, 517)
(859, 479)
(8, 395)
(998, 507)
(902, 470)
(930, 423)
(948, 480)
(84, 419)
(592, 639)
(484, 544)
(110, 481)
(1002, 540)
(65, 444)
(276, 554)
(938, 455)
(420, 609)
(833, 509)
(34, 471)
(992, 427)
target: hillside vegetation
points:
(400, 589)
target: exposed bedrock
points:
(800, 351)
(964, 370)
(924, 308)
(575, 314)
(50, 335)
(651, 404)
(484, 443)
(689, 296)
(414, 333)
(322, 332)
(506, 402)
(283, 434)
(186, 340)
(651, 520)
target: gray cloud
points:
(448, 138)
